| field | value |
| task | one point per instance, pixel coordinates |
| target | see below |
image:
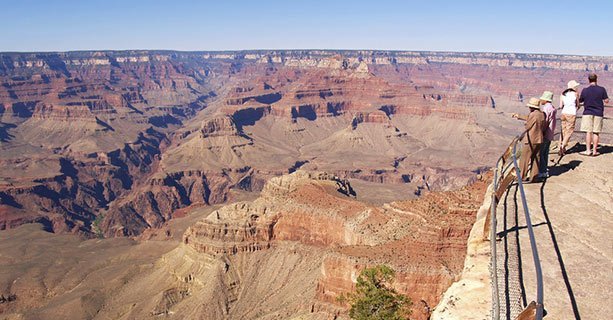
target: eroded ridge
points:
(421, 239)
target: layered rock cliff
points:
(113, 142)
(423, 240)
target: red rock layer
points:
(111, 116)
(423, 240)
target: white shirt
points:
(569, 102)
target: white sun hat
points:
(572, 84)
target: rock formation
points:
(112, 143)
(422, 239)
(346, 159)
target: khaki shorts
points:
(591, 123)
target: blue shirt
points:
(592, 98)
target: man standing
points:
(535, 124)
(549, 129)
(593, 97)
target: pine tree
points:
(375, 299)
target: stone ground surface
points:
(571, 214)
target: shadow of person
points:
(562, 168)
(605, 149)
(580, 147)
(569, 289)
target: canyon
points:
(290, 252)
(261, 182)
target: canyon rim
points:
(248, 184)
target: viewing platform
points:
(571, 215)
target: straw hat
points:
(533, 103)
(572, 84)
(547, 96)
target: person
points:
(535, 124)
(550, 126)
(569, 104)
(593, 97)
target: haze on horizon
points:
(559, 27)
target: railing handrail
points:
(500, 183)
(535, 254)
(495, 293)
(493, 223)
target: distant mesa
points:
(152, 132)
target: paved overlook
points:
(571, 215)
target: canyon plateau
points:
(248, 184)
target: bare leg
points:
(561, 143)
(565, 142)
(596, 138)
(566, 139)
(588, 142)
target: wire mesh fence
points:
(508, 294)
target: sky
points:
(563, 27)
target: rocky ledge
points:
(424, 239)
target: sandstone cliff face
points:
(248, 227)
(176, 185)
(74, 188)
(287, 254)
(343, 59)
(423, 240)
(97, 126)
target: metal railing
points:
(503, 177)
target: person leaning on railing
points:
(593, 97)
(530, 154)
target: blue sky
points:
(567, 27)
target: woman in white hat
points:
(569, 103)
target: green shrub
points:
(374, 297)
(96, 226)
